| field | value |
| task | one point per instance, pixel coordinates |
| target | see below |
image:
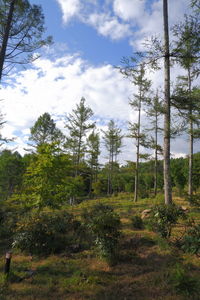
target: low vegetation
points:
(102, 249)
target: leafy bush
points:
(164, 217)
(8, 219)
(191, 241)
(104, 224)
(47, 232)
(194, 200)
(137, 222)
(183, 282)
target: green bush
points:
(47, 232)
(194, 200)
(191, 241)
(183, 282)
(137, 222)
(164, 217)
(8, 219)
(104, 224)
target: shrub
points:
(104, 224)
(137, 222)
(194, 200)
(8, 219)
(183, 282)
(164, 217)
(47, 232)
(191, 241)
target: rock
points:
(145, 213)
(184, 208)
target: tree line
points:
(22, 29)
(63, 169)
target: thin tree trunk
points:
(6, 36)
(191, 141)
(156, 155)
(137, 154)
(166, 148)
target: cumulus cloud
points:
(129, 10)
(109, 26)
(70, 8)
(55, 86)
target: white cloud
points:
(129, 9)
(109, 26)
(70, 8)
(55, 86)
(116, 19)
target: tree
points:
(113, 143)
(186, 98)
(137, 77)
(45, 131)
(78, 126)
(47, 181)
(12, 169)
(93, 143)
(153, 113)
(196, 5)
(21, 30)
(167, 105)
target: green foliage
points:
(11, 172)
(8, 219)
(48, 180)
(25, 32)
(178, 174)
(104, 224)
(78, 125)
(164, 217)
(137, 222)
(45, 131)
(194, 199)
(183, 282)
(191, 241)
(47, 232)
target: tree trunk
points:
(6, 36)
(166, 148)
(156, 155)
(191, 140)
(137, 154)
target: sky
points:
(90, 39)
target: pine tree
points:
(93, 143)
(21, 30)
(78, 125)
(44, 131)
(186, 99)
(154, 110)
(137, 77)
(113, 143)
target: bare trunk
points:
(166, 148)
(137, 154)
(191, 141)
(6, 36)
(156, 156)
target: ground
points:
(144, 271)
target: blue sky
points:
(90, 39)
(83, 38)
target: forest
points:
(76, 222)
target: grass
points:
(148, 267)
